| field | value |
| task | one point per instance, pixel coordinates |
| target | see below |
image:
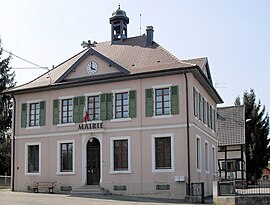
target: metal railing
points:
(5, 181)
(197, 192)
(241, 187)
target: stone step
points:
(89, 190)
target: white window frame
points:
(154, 100)
(206, 156)
(86, 103)
(58, 171)
(112, 139)
(198, 153)
(26, 158)
(153, 137)
(120, 119)
(28, 102)
(60, 124)
(214, 160)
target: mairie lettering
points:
(90, 126)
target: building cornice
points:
(118, 77)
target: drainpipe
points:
(13, 143)
(188, 146)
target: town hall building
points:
(124, 115)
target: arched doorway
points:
(93, 162)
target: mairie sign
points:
(90, 126)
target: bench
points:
(44, 185)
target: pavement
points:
(22, 198)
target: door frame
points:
(85, 139)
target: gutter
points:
(13, 144)
(188, 134)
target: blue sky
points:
(234, 35)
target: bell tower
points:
(118, 21)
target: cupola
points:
(118, 21)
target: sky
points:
(233, 35)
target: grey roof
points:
(231, 125)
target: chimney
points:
(149, 35)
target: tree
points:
(256, 132)
(6, 81)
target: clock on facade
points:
(91, 67)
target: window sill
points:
(93, 121)
(65, 173)
(161, 116)
(120, 172)
(121, 120)
(65, 124)
(162, 170)
(32, 128)
(199, 170)
(32, 174)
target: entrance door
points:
(93, 162)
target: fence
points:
(255, 187)
(197, 192)
(5, 181)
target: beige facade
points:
(62, 151)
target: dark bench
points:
(44, 185)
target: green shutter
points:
(109, 106)
(149, 103)
(174, 100)
(132, 104)
(78, 107)
(81, 108)
(42, 113)
(55, 112)
(75, 110)
(103, 107)
(24, 115)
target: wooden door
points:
(93, 162)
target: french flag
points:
(85, 114)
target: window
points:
(65, 157)
(121, 105)
(195, 101)
(214, 160)
(32, 158)
(200, 107)
(204, 110)
(34, 114)
(120, 155)
(67, 111)
(206, 156)
(198, 153)
(162, 153)
(208, 114)
(93, 108)
(162, 101)
(232, 166)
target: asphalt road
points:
(21, 198)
